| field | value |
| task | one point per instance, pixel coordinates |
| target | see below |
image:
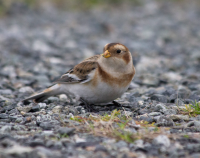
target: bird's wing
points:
(81, 73)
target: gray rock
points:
(173, 97)
(57, 109)
(160, 98)
(24, 109)
(20, 151)
(160, 108)
(42, 105)
(5, 129)
(121, 144)
(154, 114)
(196, 155)
(19, 119)
(27, 90)
(19, 127)
(198, 117)
(170, 111)
(193, 123)
(53, 99)
(146, 118)
(5, 92)
(162, 140)
(46, 125)
(3, 116)
(66, 130)
(35, 108)
(179, 102)
(179, 117)
(183, 92)
(164, 121)
(36, 142)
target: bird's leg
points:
(88, 106)
(116, 104)
(70, 98)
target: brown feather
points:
(123, 80)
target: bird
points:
(99, 79)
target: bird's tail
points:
(39, 97)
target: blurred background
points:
(40, 40)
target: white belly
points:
(101, 93)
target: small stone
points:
(183, 92)
(24, 109)
(179, 117)
(19, 119)
(20, 151)
(127, 113)
(146, 118)
(193, 123)
(173, 97)
(179, 102)
(194, 98)
(53, 99)
(121, 144)
(36, 142)
(139, 143)
(46, 125)
(42, 105)
(26, 90)
(5, 92)
(154, 114)
(100, 148)
(57, 109)
(196, 155)
(160, 108)
(164, 121)
(162, 140)
(66, 130)
(19, 127)
(3, 116)
(151, 80)
(63, 98)
(35, 108)
(5, 129)
(160, 98)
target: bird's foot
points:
(89, 107)
(116, 104)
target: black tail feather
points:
(38, 97)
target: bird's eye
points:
(118, 51)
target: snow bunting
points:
(98, 79)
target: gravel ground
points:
(36, 47)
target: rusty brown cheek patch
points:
(126, 58)
(122, 81)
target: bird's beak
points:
(106, 54)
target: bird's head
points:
(116, 55)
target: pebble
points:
(162, 140)
(35, 108)
(42, 105)
(3, 116)
(24, 109)
(179, 117)
(5, 129)
(28, 90)
(46, 125)
(164, 121)
(57, 109)
(66, 130)
(159, 98)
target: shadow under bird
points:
(98, 79)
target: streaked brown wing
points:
(80, 73)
